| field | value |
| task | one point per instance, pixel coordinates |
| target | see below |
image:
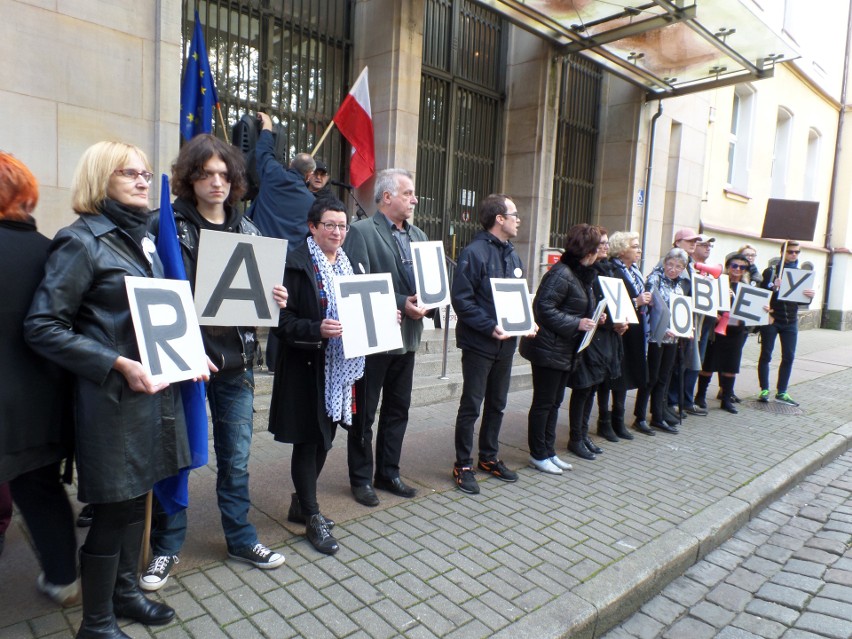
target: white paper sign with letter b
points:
(512, 305)
(167, 331)
(366, 305)
(235, 276)
(430, 274)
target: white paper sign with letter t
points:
(366, 305)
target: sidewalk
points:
(548, 556)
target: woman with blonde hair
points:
(130, 431)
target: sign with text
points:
(680, 307)
(660, 317)
(366, 305)
(235, 276)
(512, 305)
(750, 305)
(705, 295)
(167, 330)
(618, 300)
(724, 292)
(430, 274)
(794, 283)
(587, 338)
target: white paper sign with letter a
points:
(366, 305)
(430, 274)
(235, 276)
(166, 328)
(512, 305)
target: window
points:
(781, 153)
(809, 189)
(739, 141)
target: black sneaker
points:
(158, 572)
(258, 555)
(498, 469)
(466, 480)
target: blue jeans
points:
(231, 395)
(789, 334)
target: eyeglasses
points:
(793, 251)
(330, 226)
(738, 267)
(515, 215)
(133, 174)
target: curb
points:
(612, 595)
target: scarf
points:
(340, 373)
(131, 220)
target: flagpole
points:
(322, 139)
(222, 121)
(146, 534)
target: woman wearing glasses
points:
(725, 348)
(129, 430)
(313, 388)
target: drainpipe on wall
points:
(648, 174)
(841, 118)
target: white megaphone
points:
(705, 269)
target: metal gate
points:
(289, 58)
(460, 128)
(576, 145)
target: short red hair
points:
(18, 189)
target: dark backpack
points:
(244, 136)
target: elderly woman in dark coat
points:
(36, 430)
(625, 252)
(563, 307)
(130, 431)
(313, 388)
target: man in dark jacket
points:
(487, 351)
(785, 324)
(208, 177)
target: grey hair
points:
(386, 180)
(677, 254)
(304, 164)
(619, 242)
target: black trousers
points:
(485, 379)
(661, 360)
(548, 393)
(388, 376)
(43, 503)
(305, 467)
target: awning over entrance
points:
(669, 47)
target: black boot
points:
(618, 426)
(701, 392)
(97, 575)
(296, 515)
(605, 427)
(590, 445)
(128, 601)
(318, 534)
(728, 394)
(580, 450)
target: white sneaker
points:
(560, 464)
(545, 466)
(65, 596)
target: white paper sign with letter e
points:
(235, 276)
(618, 300)
(512, 305)
(794, 283)
(167, 331)
(748, 305)
(430, 274)
(366, 305)
(680, 307)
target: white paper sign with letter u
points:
(235, 276)
(166, 328)
(430, 274)
(366, 305)
(512, 305)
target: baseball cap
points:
(685, 234)
(706, 238)
(321, 167)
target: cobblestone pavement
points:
(787, 573)
(548, 556)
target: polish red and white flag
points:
(355, 121)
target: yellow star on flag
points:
(203, 90)
(201, 73)
(190, 117)
(195, 56)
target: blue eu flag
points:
(173, 492)
(198, 94)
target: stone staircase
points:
(428, 387)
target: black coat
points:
(635, 362)
(80, 319)
(561, 301)
(36, 427)
(297, 413)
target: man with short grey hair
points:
(382, 244)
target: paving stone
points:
(746, 579)
(663, 610)
(841, 577)
(836, 591)
(830, 607)
(783, 595)
(643, 626)
(774, 611)
(729, 632)
(799, 582)
(765, 567)
(797, 633)
(712, 614)
(690, 627)
(685, 591)
(765, 628)
(706, 573)
(729, 597)
(825, 625)
(272, 625)
(807, 568)
(815, 555)
(775, 553)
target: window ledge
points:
(734, 194)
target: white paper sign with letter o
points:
(681, 319)
(366, 305)
(166, 326)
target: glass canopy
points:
(669, 47)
